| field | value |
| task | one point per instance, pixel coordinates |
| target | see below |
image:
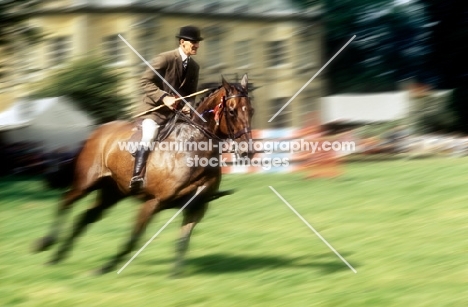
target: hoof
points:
(96, 273)
(175, 276)
(101, 271)
(52, 262)
(43, 244)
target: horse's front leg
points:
(147, 211)
(191, 218)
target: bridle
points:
(231, 134)
(218, 111)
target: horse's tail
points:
(59, 174)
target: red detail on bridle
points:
(217, 114)
(217, 111)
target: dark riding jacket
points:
(169, 66)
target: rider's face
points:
(189, 47)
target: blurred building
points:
(278, 45)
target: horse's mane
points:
(214, 90)
(210, 93)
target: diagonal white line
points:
(316, 74)
(159, 75)
(153, 237)
(312, 228)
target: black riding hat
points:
(190, 33)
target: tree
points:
(92, 84)
(13, 16)
(431, 113)
(422, 40)
(14, 29)
(449, 20)
(391, 43)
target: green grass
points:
(401, 224)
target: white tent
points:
(52, 122)
(365, 108)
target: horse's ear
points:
(245, 82)
(226, 85)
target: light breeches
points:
(149, 128)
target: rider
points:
(179, 69)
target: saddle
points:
(162, 135)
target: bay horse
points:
(170, 181)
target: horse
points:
(170, 181)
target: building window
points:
(113, 48)
(60, 49)
(213, 46)
(307, 51)
(33, 62)
(309, 108)
(212, 7)
(147, 31)
(282, 120)
(276, 53)
(243, 54)
(242, 9)
(147, 45)
(214, 57)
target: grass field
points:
(403, 225)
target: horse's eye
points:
(232, 112)
(244, 108)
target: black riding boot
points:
(137, 182)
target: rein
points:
(218, 110)
(189, 121)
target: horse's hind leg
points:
(191, 219)
(108, 195)
(84, 181)
(67, 202)
(147, 211)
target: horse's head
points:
(228, 113)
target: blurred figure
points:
(179, 69)
(394, 140)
